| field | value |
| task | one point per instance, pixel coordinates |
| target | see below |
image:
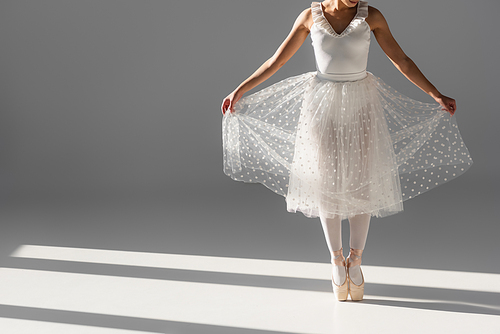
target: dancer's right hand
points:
(230, 100)
(448, 104)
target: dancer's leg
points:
(358, 226)
(332, 228)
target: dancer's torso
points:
(342, 54)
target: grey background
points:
(110, 131)
(125, 95)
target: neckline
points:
(330, 25)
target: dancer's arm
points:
(403, 63)
(287, 49)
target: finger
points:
(452, 109)
(226, 105)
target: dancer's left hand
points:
(448, 104)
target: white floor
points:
(158, 265)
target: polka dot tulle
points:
(341, 148)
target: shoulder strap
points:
(319, 18)
(363, 10)
(316, 12)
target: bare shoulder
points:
(375, 18)
(305, 19)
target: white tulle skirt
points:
(341, 147)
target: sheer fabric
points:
(343, 147)
(341, 142)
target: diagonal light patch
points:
(238, 306)
(431, 278)
(434, 301)
(444, 279)
(307, 270)
(241, 307)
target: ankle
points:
(338, 258)
(354, 257)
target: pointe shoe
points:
(341, 291)
(356, 291)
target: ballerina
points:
(338, 143)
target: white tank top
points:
(345, 55)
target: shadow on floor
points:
(451, 300)
(120, 322)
